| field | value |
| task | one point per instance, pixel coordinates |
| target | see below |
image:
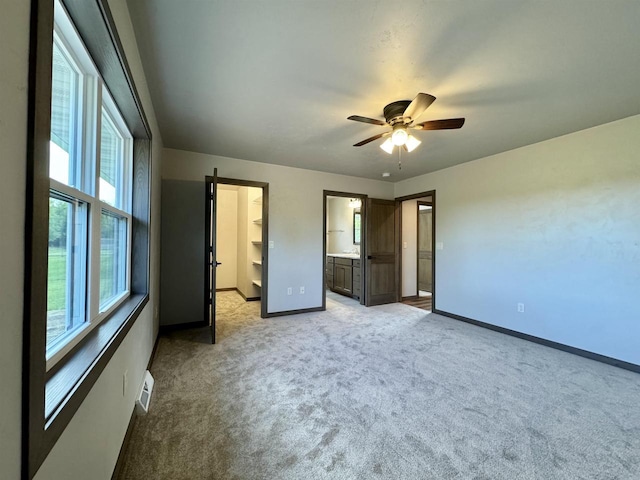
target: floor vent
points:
(144, 397)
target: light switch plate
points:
(270, 243)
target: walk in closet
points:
(239, 240)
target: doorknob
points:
(216, 263)
(370, 257)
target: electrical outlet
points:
(271, 244)
(124, 382)
(289, 291)
(521, 307)
(439, 245)
(301, 290)
(404, 244)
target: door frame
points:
(264, 274)
(428, 204)
(399, 201)
(363, 215)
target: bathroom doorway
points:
(343, 246)
(417, 245)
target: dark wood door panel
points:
(380, 256)
(339, 277)
(383, 278)
(382, 227)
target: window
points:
(87, 229)
(66, 272)
(81, 144)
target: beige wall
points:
(409, 248)
(554, 225)
(242, 279)
(227, 238)
(89, 446)
(14, 54)
(295, 217)
(340, 226)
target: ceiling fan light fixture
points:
(399, 136)
(387, 146)
(412, 143)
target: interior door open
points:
(210, 253)
(380, 256)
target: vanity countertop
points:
(344, 255)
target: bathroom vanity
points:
(343, 274)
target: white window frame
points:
(93, 96)
(125, 212)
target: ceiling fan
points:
(401, 117)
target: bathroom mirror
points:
(356, 227)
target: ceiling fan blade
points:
(418, 105)
(448, 124)
(371, 139)
(373, 121)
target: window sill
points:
(82, 368)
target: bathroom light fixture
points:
(355, 203)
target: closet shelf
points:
(258, 221)
(257, 262)
(257, 283)
(256, 242)
(258, 201)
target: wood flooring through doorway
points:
(423, 303)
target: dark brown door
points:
(380, 271)
(210, 253)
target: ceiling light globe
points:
(412, 143)
(387, 146)
(399, 136)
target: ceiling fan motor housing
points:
(393, 113)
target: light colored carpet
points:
(387, 392)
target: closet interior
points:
(239, 240)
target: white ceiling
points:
(274, 81)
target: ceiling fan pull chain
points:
(399, 158)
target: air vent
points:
(144, 397)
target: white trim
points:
(72, 40)
(70, 191)
(123, 189)
(89, 101)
